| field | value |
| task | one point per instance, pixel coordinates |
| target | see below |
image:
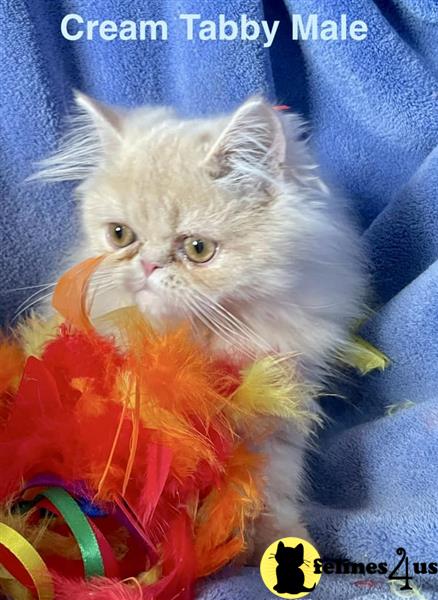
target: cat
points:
(225, 222)
(290, 577)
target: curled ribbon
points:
(25, 564)
(81, 529)
(19, 549)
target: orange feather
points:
(70, 295)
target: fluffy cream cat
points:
(225, 222)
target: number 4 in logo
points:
(406, 577)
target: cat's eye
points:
(120, 235)
(198, 249)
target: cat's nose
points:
(148, 267)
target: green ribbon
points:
(78, 523)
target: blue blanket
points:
(372, 108)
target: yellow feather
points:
(363, 356)
(270, 387)
(34, 333)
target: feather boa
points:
(151, 438)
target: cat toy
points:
(127, 469)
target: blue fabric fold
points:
(372, 112)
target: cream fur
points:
(287, 275)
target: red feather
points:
(74, 417)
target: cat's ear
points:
(280, 546)
(94, 131)
(251, 150)
(106, 120)
(300, 549)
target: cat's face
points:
(183, 240)
(287, 554)
(179, 237)
(222, 221)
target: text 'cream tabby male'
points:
(223, 222)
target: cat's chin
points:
(160, 313)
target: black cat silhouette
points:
(290, 578)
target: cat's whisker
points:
(40, 295)
(30, 301)
(226, 313)
(215, 325)
(18, 314)
(249, 333)
(28, 287)
(298, 307)
(193, 310)
(33, 295)
(98, 289)
(236, 328)
(230, 315)
(101, 280)
(319, 306)
(217, 329)
(231, 327)
(94, 283)
(212, 317)
(104, 286)
(189, 317)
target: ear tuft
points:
(251, 149)
(93, 130)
